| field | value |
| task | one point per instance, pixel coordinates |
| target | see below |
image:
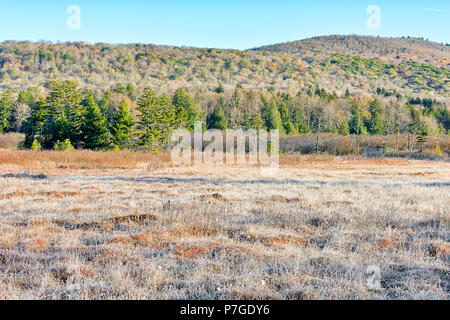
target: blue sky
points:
(222, 24)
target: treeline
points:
(61, 115)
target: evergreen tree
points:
(105, 105)
(320, 92)
(186, 110)
(120, 89)
(376, 125)
(357, 122)
(65, 108)
(415, 117)
(233, 109)
(66, 145)
(421, 139)
(63, 98)
(6, 104)
(288, 126)
(35, 146)
(217, 120)
(156, 120)
(36, 122)
(94, 130)
(122, 125)
(256, 122)
(272, 117)
(299, 121)
(344, 128)
(55, 130)
(148, 133)
(87, 96)
(26, 97)
(347, 93)
(131, 91)
(169, 119)
(220, 89)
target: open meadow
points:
(116, 225)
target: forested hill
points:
(412, 67)
(388, 49)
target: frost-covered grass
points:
(145, 231)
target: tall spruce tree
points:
(6, 103)
(36, 122)
(122, 125)
(299, 122)
(179, 101)
(256, 122)
(157, 119)
(56, 130)
(288, 126)
(186, 109)
(356, 124)
(131, 91)
(343, 127)
(376, 125)
(148, 133)
(169, 119)
(217, 120)
(105, 105)
(65, 114)
(272, 117)
(94, 130)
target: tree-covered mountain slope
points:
(336, 63)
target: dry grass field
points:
(84, 225)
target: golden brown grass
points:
(76, 160)
(99, 231)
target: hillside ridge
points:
(358, 63)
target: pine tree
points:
(63, 98)
(55, 130)
(169, 119)
(186, 110)
(272, 117)
(347, 93)
(105, 105)
(64, 103)
(120, 89)
(66, 145)
(36, 122)
(131, 91)
(157, 119)
(26, 97)
(35, 146)
(376, 125)
(421, 139)
(233, 109)
(256, 122)
(217, 120)
(122, 125)
(357, 122)
(148, 133)
(344, 128)
(220, 89)
(289, 128)
(6, 104)
(94, 130)
(299, 121)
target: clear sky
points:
(222, 24)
